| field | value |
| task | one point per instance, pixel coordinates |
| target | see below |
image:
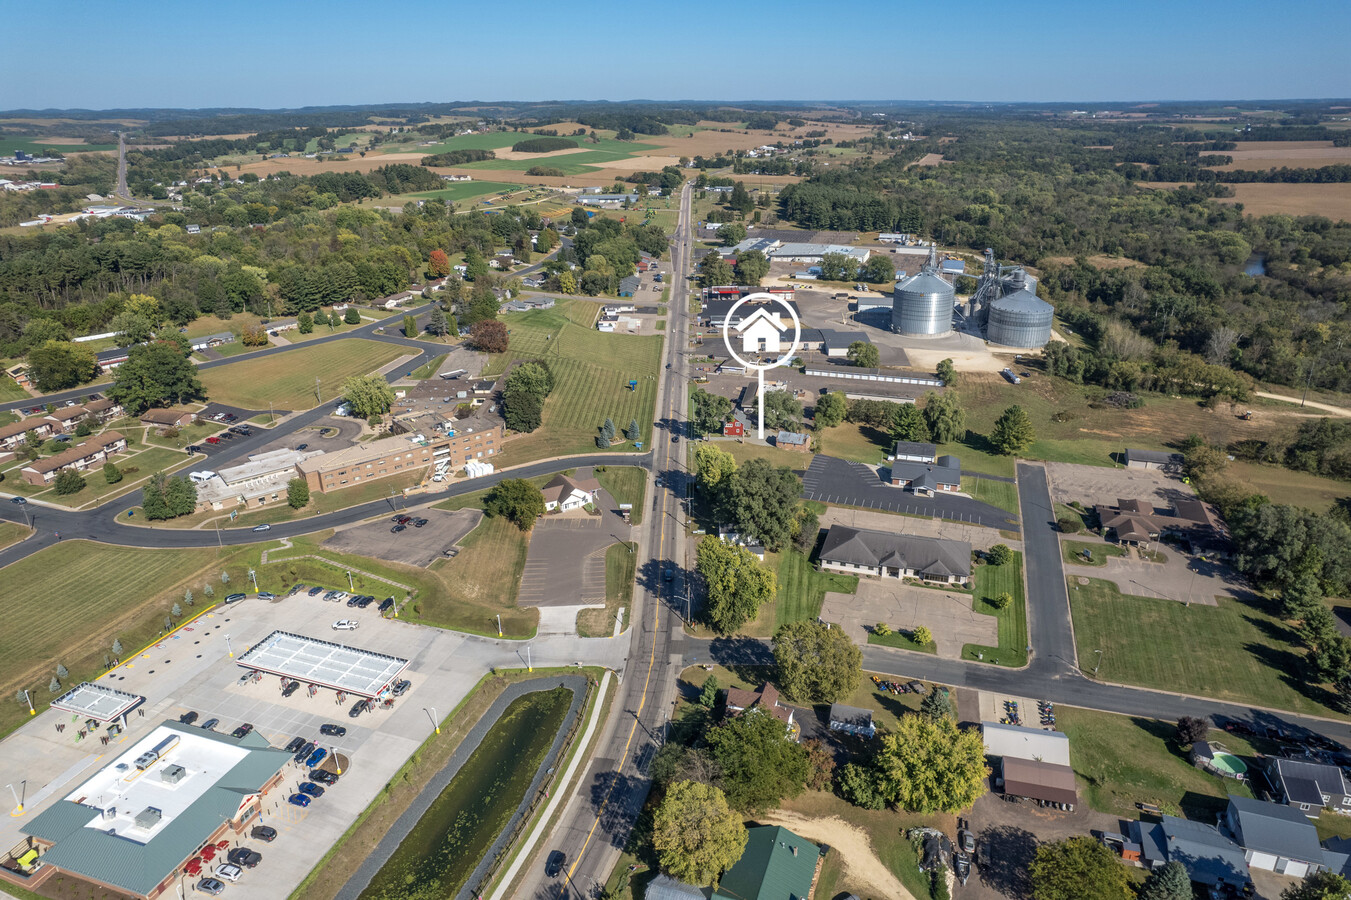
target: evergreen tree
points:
(62, 671)
(176, 612)
(633, 433)
(1013, 431)
(436, 322)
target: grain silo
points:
(1021, 319)
(922, 304)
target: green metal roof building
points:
(132, 826)
(777, 865)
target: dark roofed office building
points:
(864, 551)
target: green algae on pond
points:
(447, 843)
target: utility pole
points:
(317, 394)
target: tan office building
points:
(389, 456)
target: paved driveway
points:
(1182, 578)
(831, 480)
(903, 607)
(566, 563)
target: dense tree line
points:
(458, 157)
(543, 145)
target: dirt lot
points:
(412, 546)
(861, 862)
(1091, 485)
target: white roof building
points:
(1020, 742)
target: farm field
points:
(1285, 485)
(1246, 656)
(287, 380)
(1331, 200)
(592, 372)
(467, 190)
(570, 162)
(1262, 155)
(36, 146)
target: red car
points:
(213, 440)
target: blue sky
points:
(185, 53)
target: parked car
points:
(290, 689)
(332, 730)
(403, 519)
(961, 867)
(345, 625)
(211, 886)
(340, 595)
(188, 717)
(264, 833)
(358, 708)
(235, 598)
(304, 752)
(557, 860)
(213, 440)
(295, 744)
(316, 757)
(19, 500)
(266, 595)
(302, 446)
(298, 800)
(397, 528)
(366, 601)
(192, 448)
(210, 724)
(315, 591)
(309, 787)
(418, 523)
(321, 776)
(401, 687)
(353, 600)
(263, 527)
(918, 687)
(228, 872)
(242, 730)
(386, 604)
(244, 857)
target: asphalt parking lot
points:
(412, 546)
(194, 670)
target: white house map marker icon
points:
(762, 332)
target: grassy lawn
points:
(236, 348)
(793, 459)
(991, 581)
(1000, 494)
(10, 390)
(287, 380)
(190, 434)
(856, 443)
(801, 591)
(1246, 656)
(1073, 552)
(481, 582)
(1313, 491)
(592, 371)
(621, 565)
(626, 484)
(467, 190)
(135, 467)
(430, 368)
(36, 146)
(11, 533)
(1124, 760)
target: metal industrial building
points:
(923, 303)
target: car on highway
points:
(554, 866)
(668, 575)
(295, 744)
(235, 598)
(290, 689)
(265, 833)
(211, 886)
(242, 730)
(228, 872)
(346, 625)
(332, 730)
(675, 438)
(210, 724)
(188, 718)
(304, 752)
(309, 787)
(298, 800)
(316, 757)
(316, 591)
(322, 776)
(244, 857)
(262, 527)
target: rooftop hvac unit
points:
(148, 818)
(110, 813)
(173, 774)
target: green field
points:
(287, 380)
(1124, 760)
(592, 157)
(1002, 494)
(1072, 552)
(626, 484)
(493, 140)
(10, 390)
(467, 190)
(591, 371)
(481, 582)
(1239, 651)
(801, 591)
(991, 581)
(37, 147)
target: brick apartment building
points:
(392, 455)
(92, 452)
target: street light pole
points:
(529, 665)
(350, 583)
(1099, 665)
(253, 576)
(228, 649)
(29, 697)
(18, 804)
(499, 624)
(431, 714)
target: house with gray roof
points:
(1274, 837)
(135, 823)
(928, 478)
(1308, 786)
(1209, 857)
(863, 551)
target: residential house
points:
(208, 341)
(20, 375)
(664, 887)
(14, 434)
(928, 478)
(1209, 857)
(793, 440)
(852, 720)
(565, 494)
(629, 286)
(734, 427)
(1274, 837)
(1308, 786)
(885, 554)
(93, 451)
(1153, 459)
(776, 865)
(164, 419)
(766, 699)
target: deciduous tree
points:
(368, 395)
(410, 327)
(760, 766)
(783, 411)
(438, 264)
(816, 663)
(696, 836)
(489, 335)
(714, 468)
(156, 374)
(736, 582)
(58, 365)
(710, 411)
(947, 373)
(864, 354)
(1077, 868)
(910, 424)
(297, 493)
(830, 410)
(1322, 886)
(111, 473)
(69, 481)
(944, 417)
(516, 500)
(1191, 729)
(931, 765)
(764, 502)
(999, 555)
(751, 267)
